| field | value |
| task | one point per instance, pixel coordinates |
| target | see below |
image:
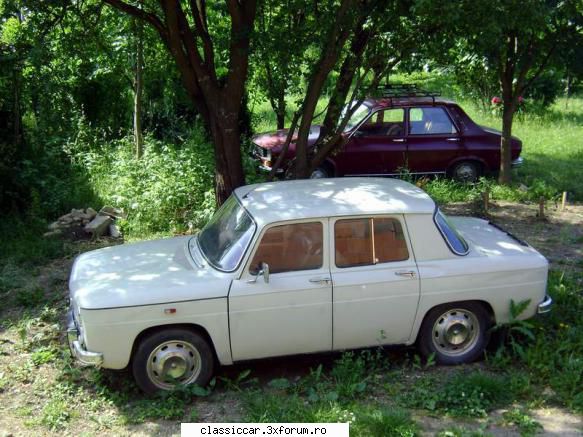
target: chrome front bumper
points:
(85, 357)
(517, 162)
(545, 305)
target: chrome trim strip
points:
(546, 305)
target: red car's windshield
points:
(359, 114)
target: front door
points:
(292, 312)
(378, 147)
(376, 282)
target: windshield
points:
(454, 240)
(359, 114)
(225, 238)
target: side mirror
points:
(263, 271)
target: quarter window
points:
(430, 121)
(368, 241)
(289, 248)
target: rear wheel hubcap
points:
(455, 332)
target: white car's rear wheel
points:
(455, 333)
(172, 357)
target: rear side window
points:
(454, 240)
(289, 248)
(430, 121)
(368, 241)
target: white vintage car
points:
(298, 267)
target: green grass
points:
(552, 144)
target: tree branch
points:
(198, 10)
(149, 17)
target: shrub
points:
(169, 189)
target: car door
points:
(377, 147)
(433, 140)
(376, 281)
(291, 313)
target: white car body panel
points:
(114, 330)
(372, 304)
(289, 315)
(120, 292)
(144, 273)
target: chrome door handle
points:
(452, 140)
(398, 140)
(408, 273)
(320, 280)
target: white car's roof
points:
(299, 199)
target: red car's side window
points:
(387, 122)
(430, 121)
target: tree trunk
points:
(280, 111)
(139, 86)
(16, 110)
(227, 146)
(334, 43)
(506, 144)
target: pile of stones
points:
(87, 223)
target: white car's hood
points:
(146, 273)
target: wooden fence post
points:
(486, 199)
(563, 201)
(541, 208)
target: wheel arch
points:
(330, 166)
(198, 329)
(483, 165)
(485, 304)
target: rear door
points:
(433, 140)
(376, 281)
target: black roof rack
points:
(406, 90)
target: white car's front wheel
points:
(455, 333)
(172, 357)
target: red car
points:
(392, 135)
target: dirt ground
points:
(559, 236)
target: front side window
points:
(225, 238)
(368, 241)
(288, 248)
(430, 121)
(387, 122)
(454, 240)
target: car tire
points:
(171, 357)
(466, 171)
(455, 333)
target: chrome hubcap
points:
(173, 362)
(455, 332)
(466, 172)
(318, 174)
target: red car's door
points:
(377, 147)
(433, 140)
